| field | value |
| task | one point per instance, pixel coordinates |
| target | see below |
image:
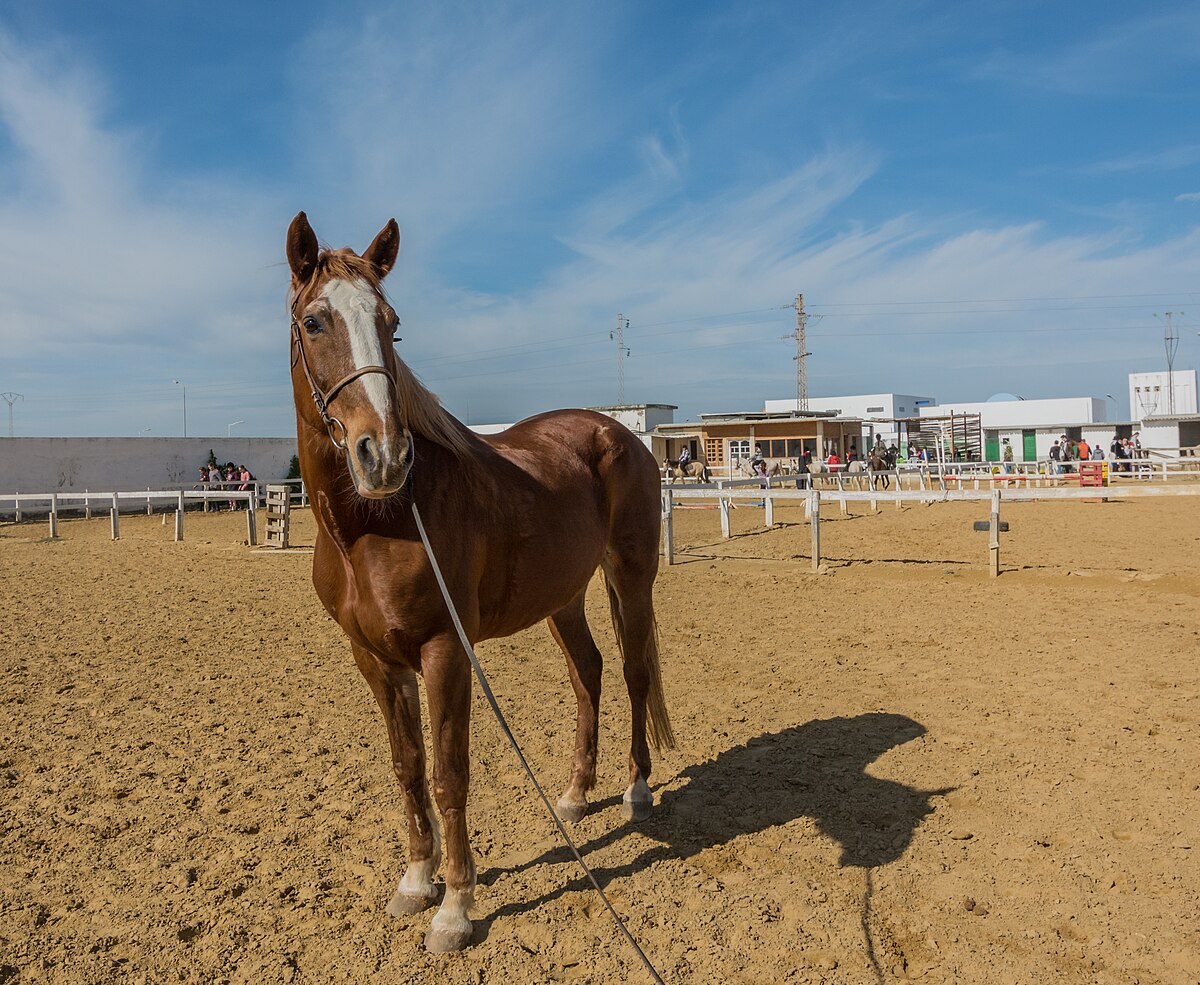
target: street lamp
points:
(184, 385)
(229, 428)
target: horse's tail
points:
(662, 736)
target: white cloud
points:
(1188, 197)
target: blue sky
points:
(972, 197)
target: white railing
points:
(51, 504)
(812, 498)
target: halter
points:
(321, 398)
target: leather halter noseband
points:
(323, 398)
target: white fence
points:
(51, 504)
(725, 494)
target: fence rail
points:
(813, 498)
(51, 504)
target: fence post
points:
(994, 535)
(768, 507)
(668, 528)
(115, 519)
(899, 491)
(815, 512)
(17, 502)
(149, 506)
(53, 515)
(724, 506)
(251, 522)
(179, 518)
(87, 505)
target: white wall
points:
(38, 465)
(1148, 393)
(1010, 415)
(859, 405)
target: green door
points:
(1030, 441)
(991, 446)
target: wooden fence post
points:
(149, 505)
(724, 506)
(994, 535)
(87, 505)
(815, 500)
(17, 502)
(768, 507)
(251, 523)
(179, 518)
(115, 519)
(53, 515)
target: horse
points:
(690, 470)
(877, 463)
(518, 521)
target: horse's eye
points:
(311, 325)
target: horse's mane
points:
(420, 409)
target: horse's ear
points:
(381, 254)
(302, 248)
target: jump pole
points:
(114, 518)
(53, 515)
(668, 524)
(724, 504)
(179, 518)
(252, 521)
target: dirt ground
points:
(898, 769)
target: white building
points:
(1162, 394)
(1032, 426)
(865, 406)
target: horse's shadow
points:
(817, 770)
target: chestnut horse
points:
(518, 523)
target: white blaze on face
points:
(356, 303)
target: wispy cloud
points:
(1188, 197)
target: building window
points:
(739, 448)
(712, 451)
(874, 410)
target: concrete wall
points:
(49, 465)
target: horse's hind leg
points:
(630, 581)
(584, 662)
(395, 689)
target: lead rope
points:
(487, 692)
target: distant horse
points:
(519, 521)
(690, 470)
(877, 463)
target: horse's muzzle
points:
(379, 466)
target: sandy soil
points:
(899, 769)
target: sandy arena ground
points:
(899, 769)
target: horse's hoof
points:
(407, 904)
(441, 940)
(636, 804)
(571, 812)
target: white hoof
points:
(406, 904)
(451, 928)
(637, 802)
(571, 811)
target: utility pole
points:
(622, 352)
(1171, 344)
(11, 398)
(802, 352)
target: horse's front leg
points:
(395, 689)
(448, 687)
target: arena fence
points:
(50, 505)
(726, 494)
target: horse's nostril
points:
(368, 455)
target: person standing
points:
(1007, 456)
(1056, 458)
